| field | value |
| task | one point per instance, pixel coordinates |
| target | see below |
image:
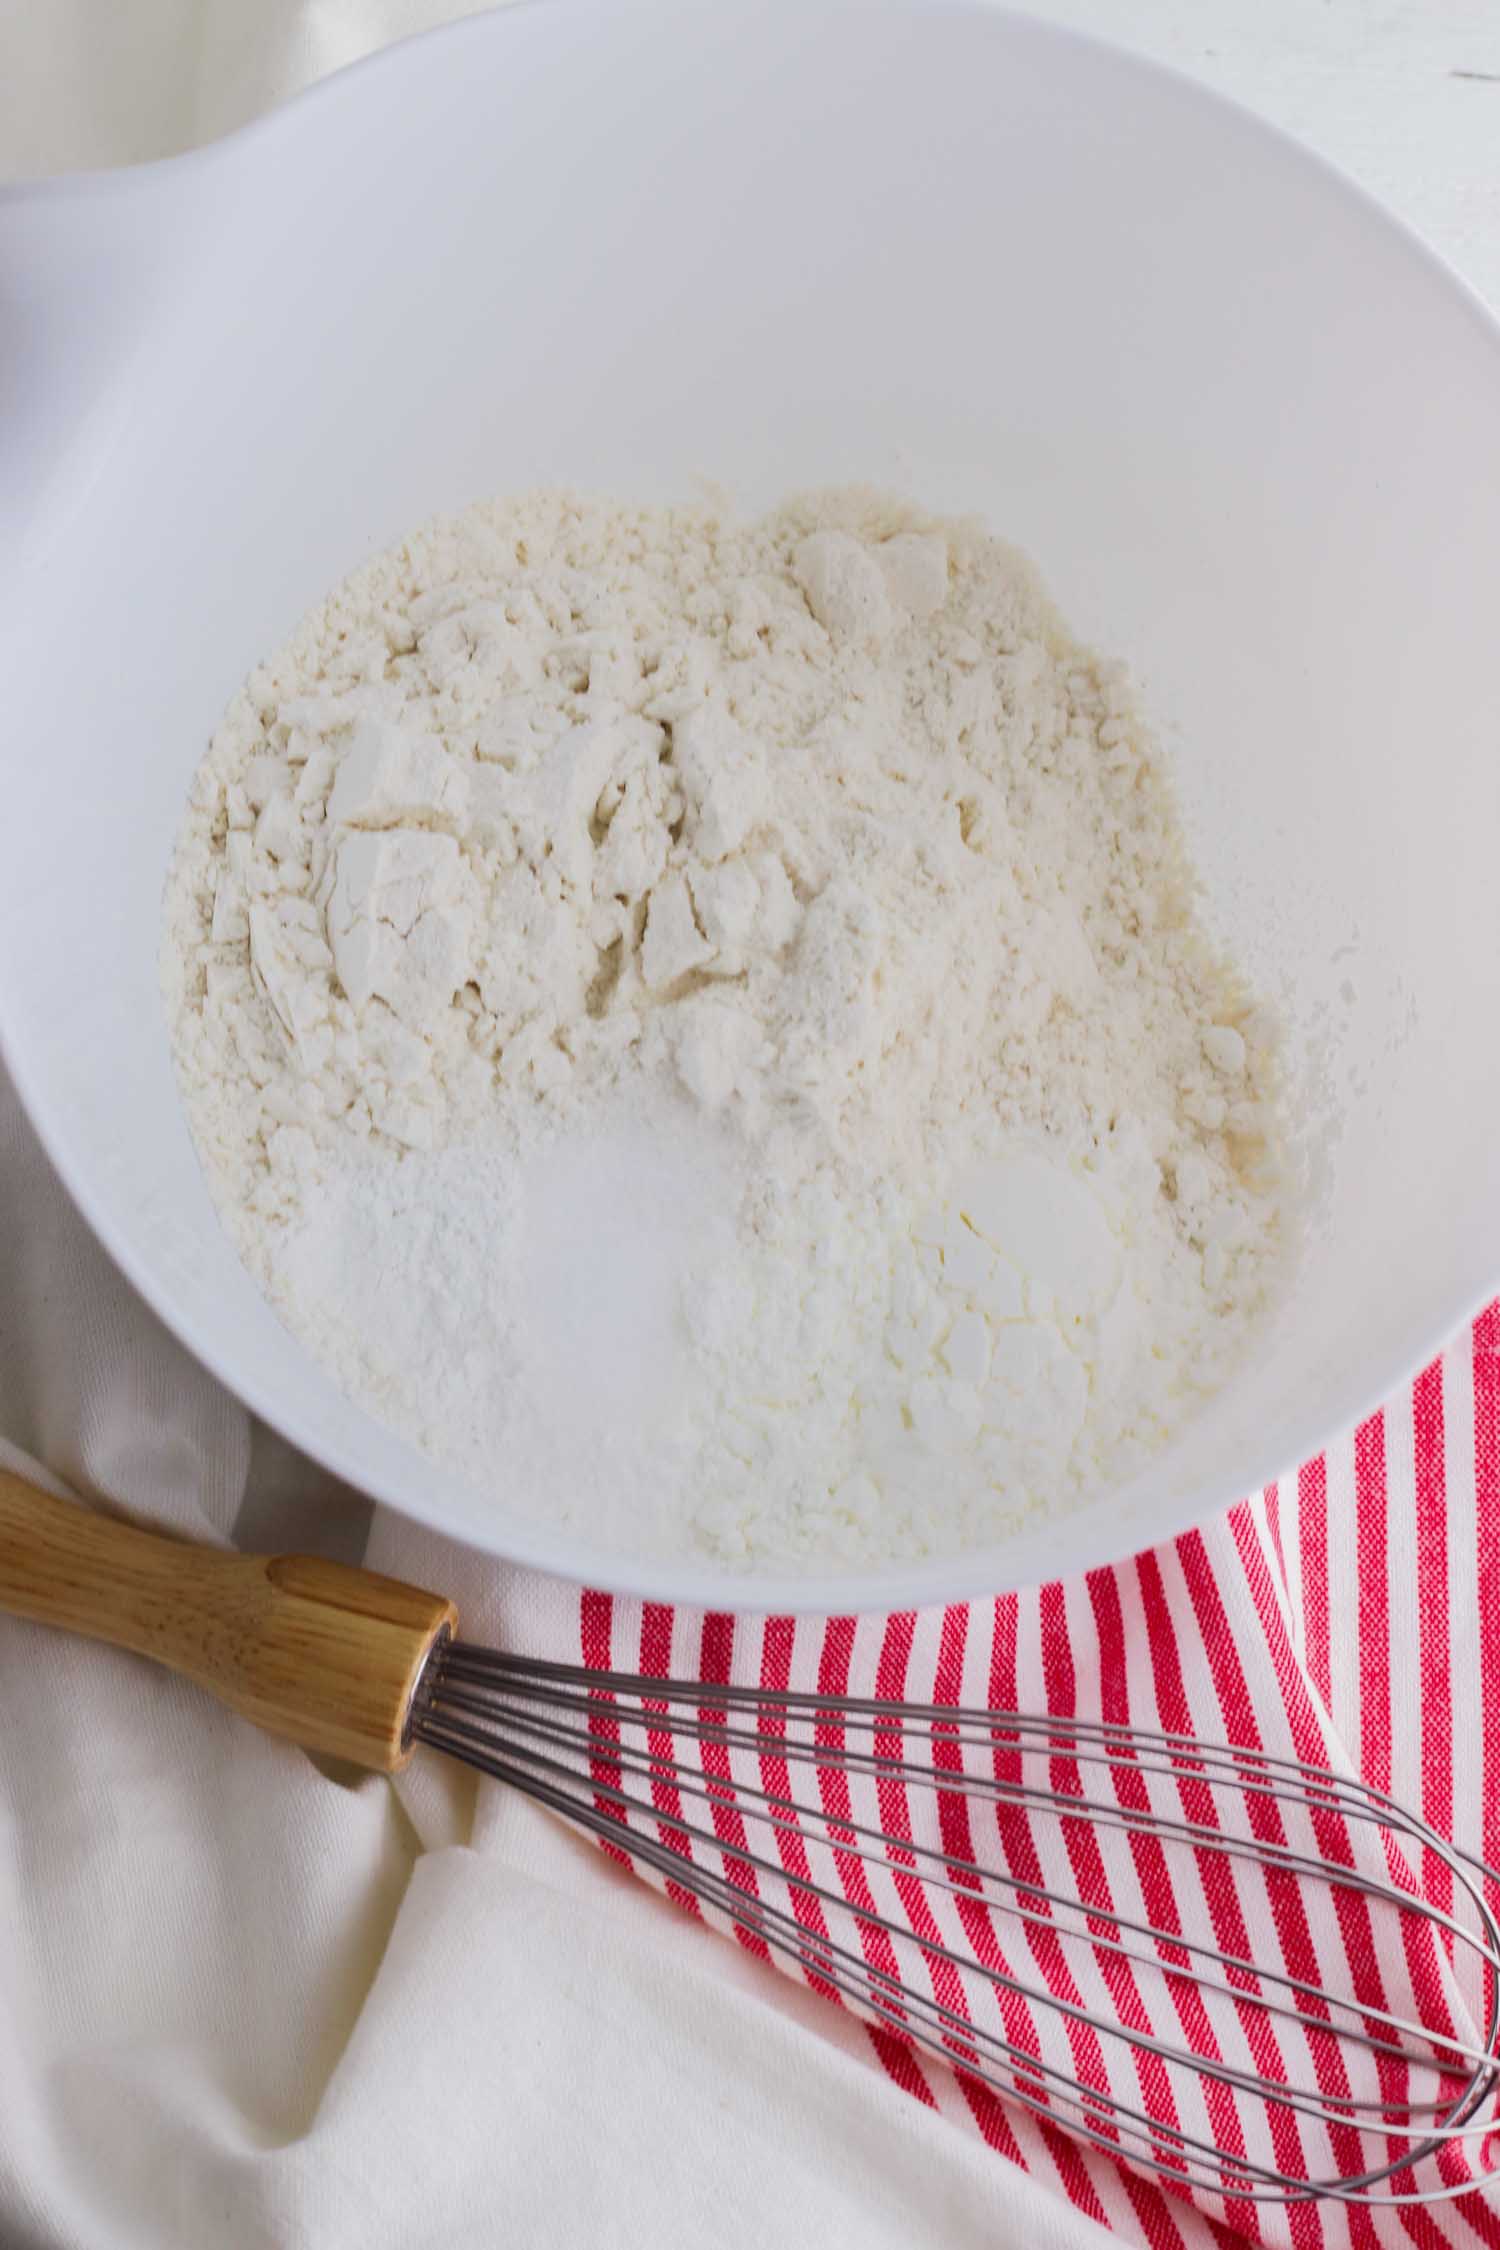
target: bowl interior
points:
(1249, 430)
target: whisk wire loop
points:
(788, 1814)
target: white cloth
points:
(243, 2002)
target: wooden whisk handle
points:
(323, 1654)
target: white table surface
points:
(1403, 94)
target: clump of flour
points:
(703, 1028)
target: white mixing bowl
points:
(1247, 426)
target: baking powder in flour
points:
(703, 1028)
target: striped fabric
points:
(1349, 1615)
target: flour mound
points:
(807, 899)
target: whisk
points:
(1061, 1909)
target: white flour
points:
(702, 1027)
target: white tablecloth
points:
(242, 2002)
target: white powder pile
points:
(702, 1027)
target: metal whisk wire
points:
(795, 1810)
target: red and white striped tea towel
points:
(1350, 1616)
